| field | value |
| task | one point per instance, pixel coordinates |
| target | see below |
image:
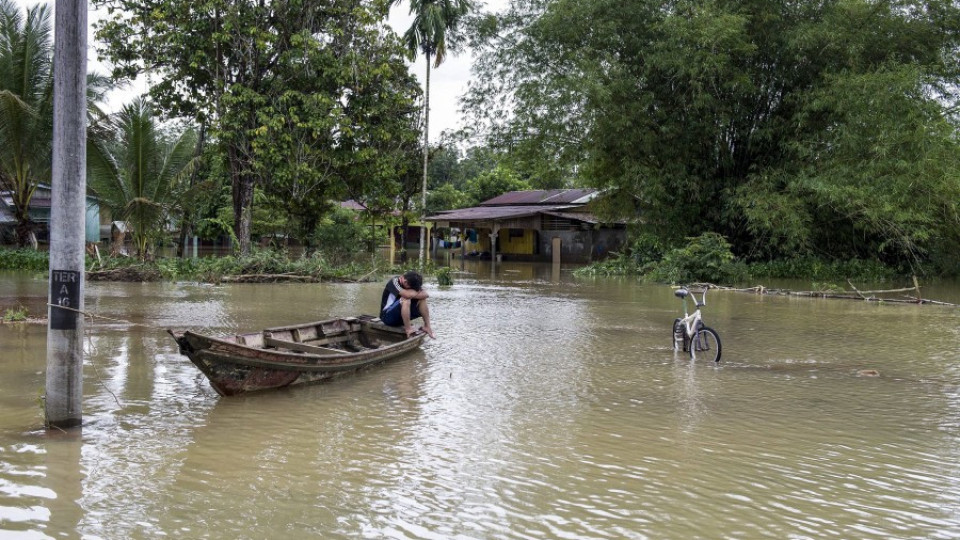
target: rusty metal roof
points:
(577, 216)
(542, 197)
(484, 213)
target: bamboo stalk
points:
(856, 294)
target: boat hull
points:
(294, 355)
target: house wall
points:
(575, 246)
(516, 241)
(582, 246)
(527, 243)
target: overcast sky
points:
(447, 83)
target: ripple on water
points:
(544, 410)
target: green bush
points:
(705, 258)
(24, 259)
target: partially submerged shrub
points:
(705, 258)
(17, 314)
(443, 276)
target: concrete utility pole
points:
(64, 387)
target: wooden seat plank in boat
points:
(302, 347)
(295, 354)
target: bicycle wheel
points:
(678, 335)
(705, 345)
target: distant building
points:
(536, 225)
(39, 212)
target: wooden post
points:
(426, 154)
(916, 285)
(494, 233)
(64, 384)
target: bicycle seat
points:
(680, 293)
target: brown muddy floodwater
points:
(548, 407)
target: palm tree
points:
(26, 107)
(428, 34)
(140, 176)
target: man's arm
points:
(414, 295)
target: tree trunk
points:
(187, 216)
(426, 153)
(186, 230)
(243, 182)
(26, 232)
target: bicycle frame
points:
(690, 333)
(690, 321)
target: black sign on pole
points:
(65, 292)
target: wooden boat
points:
(293, 355)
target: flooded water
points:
(548, 407)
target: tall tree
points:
(822, 128)
(322, 151)
(249, 70)
(434, 28)
(142, 175)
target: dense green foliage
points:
(493, 183)
(708, 258)
(341, 235)
(260, 262)
(462, 179)
(798, 130)
(306, 98)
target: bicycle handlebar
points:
(683, 292)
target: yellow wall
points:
(520, 245)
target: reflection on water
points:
(549, 407)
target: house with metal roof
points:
(39, 212)
(535, 225)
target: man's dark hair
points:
(414, 280)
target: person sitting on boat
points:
(404, 300)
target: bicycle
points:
(689, 332)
